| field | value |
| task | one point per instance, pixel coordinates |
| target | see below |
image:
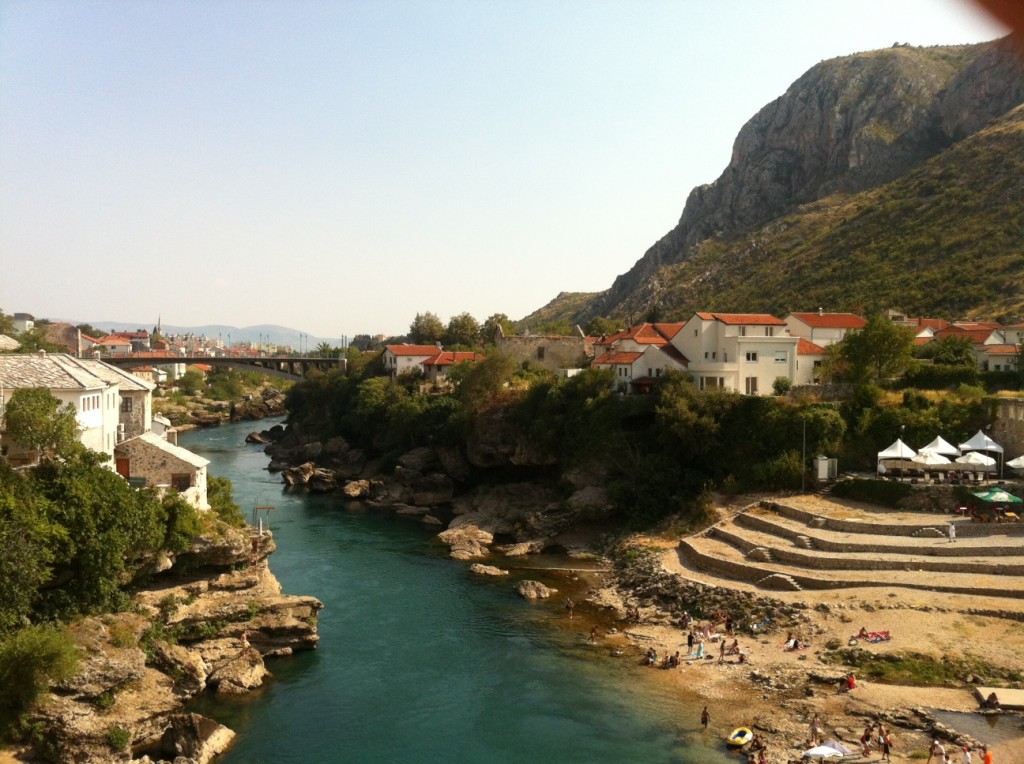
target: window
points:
(725, 357)
(126, 405)
(751, 385)
(743, 331)
(780, 356)
(752, 357)
(769, 331)
(540, 354)
(181, 481)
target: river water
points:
(420, 660)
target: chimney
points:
(821, 312)
(42, 353)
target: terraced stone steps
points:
(713, 555)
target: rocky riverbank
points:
(205, 624)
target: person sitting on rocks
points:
(734, 648)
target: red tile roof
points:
(740, 319)
(931, 323)
(1001, 349)
(407, 349)
(977, 335)
(449, 358)
(806, 347)
(831, 320)
(113, 339)
(620, 358)
(673, 352)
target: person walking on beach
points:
(569, 605)
(952, 533)
(721, 651)
(705, 717)
(967, 754)
(700, 649)
(937, 751)
(986, 755)
(689, 643)
(816, 730)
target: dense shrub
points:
(30, 660)
(885, 492)
(939, 377)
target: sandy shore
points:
(773, 693)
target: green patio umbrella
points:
(998, 496)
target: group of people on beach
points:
(938, 752)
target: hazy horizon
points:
(341, 166)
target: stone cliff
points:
(848, 124)
(205, 630)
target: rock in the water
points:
(534, 590)
(486, 570)
(466, 542)
(240, 674)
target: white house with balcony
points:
(743, 352)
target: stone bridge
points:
(287, 367)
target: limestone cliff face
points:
(846, 125)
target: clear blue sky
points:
(337, 167)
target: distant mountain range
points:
(266, 333)
(887, 179)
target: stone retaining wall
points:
(822, 562)
(939, 550)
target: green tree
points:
(36, 420)
(881, 350)
(600, 325)
(191, 382)
(951, 350)
(463, 330)
(25, 555)
(324, 350)
(7, 324)
(489, 330)
(485, 381)
(33, 341)
(426, 329)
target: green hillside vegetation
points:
(947, 239)
(560, 311)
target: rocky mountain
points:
(904, 128)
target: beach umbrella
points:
(1017, 464)
(822, 752)
(838, 746)
(975, 459)
(998, 496)
(930, 458)
(940, 446)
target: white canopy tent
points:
(940, 446)
(897, 451)
(982, 442)
(1017, 464)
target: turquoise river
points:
(421, 661)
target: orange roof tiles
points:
(831, 320)
(806, 347)
(617, 358)
(407, 349)
(1001, 349)
(757, 319)
(450, 357)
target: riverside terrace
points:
(802, 543)
(286, 367)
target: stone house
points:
(547, 351)
(153, 462)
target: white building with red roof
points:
(406, 357)
(640, 355)
(823, 329)
(744, 352)
(436, 367)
